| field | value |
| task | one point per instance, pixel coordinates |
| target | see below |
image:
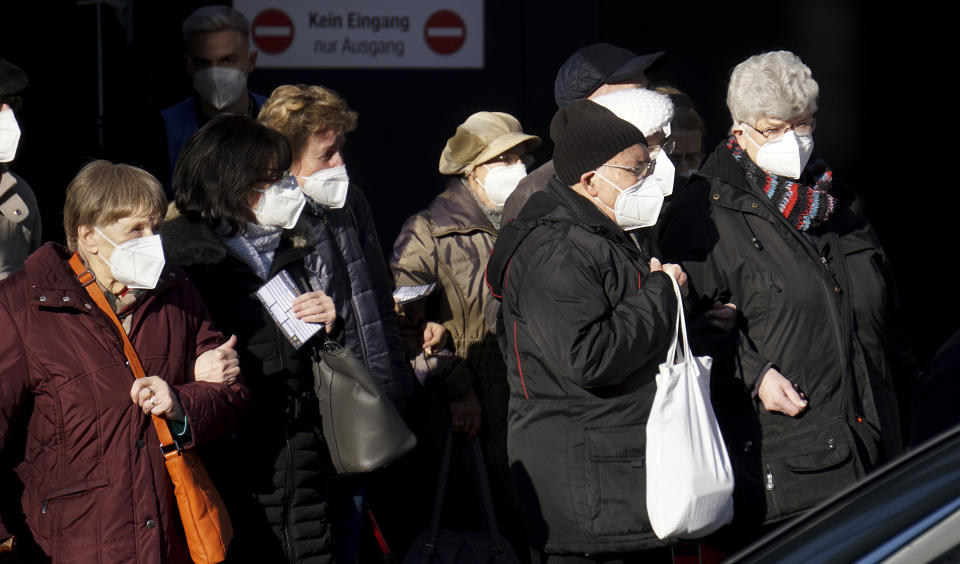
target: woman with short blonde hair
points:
(95, 487)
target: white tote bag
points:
(689, 476)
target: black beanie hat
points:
(586, 135)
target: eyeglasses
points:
(505, 158)
(774, 132)
(640, 170)
(669, 145)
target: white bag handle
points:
(679, 331)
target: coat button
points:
(716, 196)
(88, 306)
(754, 205)
(140, 443)
(151, 524)
(66, 298)
(836, 289)
(43, 298)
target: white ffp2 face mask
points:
(220, 86)
(280, 204)
(136, 263)
(9, 135)
(502, 181)
(664, 173)
(637, 205)
(786, 156)
(328, 187)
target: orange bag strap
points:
(168, 446)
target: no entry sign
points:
(272, 31)
(445, 32)
(423, 34)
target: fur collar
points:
(187, 243)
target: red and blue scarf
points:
(803, 205)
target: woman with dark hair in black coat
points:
(233, 227)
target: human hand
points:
(780, 395)
(465, 414)
(434, 337)
(220, 365)
(315, 307)
(155, 397)
(723, 316)
(673, 270)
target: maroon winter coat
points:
(95, 485)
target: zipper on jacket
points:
(288, 538)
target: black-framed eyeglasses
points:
(803, 127)
(639, 170)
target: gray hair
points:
(771, 85)
(215, 18)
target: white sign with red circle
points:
(366, 33)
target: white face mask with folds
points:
(9, 135)
(280, 203)
(136, 263)
(785, 156)
(327, 187)
(664, 173)
(220, 86)
(637, 205)
(502, 181)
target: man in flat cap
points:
(19, 216)
(592, 71)
(584, 324)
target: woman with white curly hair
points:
(806, 385)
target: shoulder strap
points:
(86, 278)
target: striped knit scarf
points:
(804, 206)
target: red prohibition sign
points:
(272, 31)
(445, 32)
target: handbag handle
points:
(482, 484)
(675, 355)
(168, 446)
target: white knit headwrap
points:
(647, 110)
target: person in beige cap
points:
(448, 244)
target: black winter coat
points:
(821, 308)
(583, 326)
(272, 473)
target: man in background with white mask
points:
(591, 71)
(584, 323)
(219, 59)
(20, 229)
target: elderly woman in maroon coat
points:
(74, 422)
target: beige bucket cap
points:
(482, 137)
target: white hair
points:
(215, 18)
(647, 110)
(771, 85)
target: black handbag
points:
(362, 429)
(443, 546)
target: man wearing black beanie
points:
(583, 324)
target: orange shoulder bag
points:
(204, 515)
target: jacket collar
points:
(187, 243)
(53, 284)
(456, 211)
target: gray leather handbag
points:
(362, 429)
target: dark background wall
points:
(875, 68)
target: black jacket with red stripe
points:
(583, 327)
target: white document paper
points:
(277, 295)
(407, 294)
